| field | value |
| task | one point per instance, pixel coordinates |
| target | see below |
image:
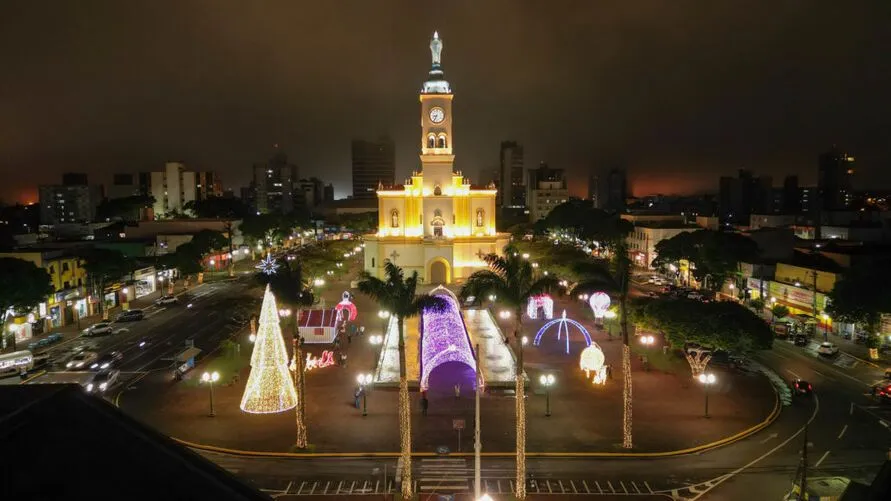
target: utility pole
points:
(477, 444)
(801, 474)
(816, 313)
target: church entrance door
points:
(438, 273)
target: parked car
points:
(100, 329)
(694, 295)
(800, 340)
(103, 381)
(130, 316)
(802, 387)
(827, 348)
(43, 343)
(882, 391)
(106, 361)
(166, 300)
(81, 360)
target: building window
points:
(431, 141)
(394, 218)
(64, 266)
(372, 262)
(480, 217)
(65, 285)
(52, 269)
(437, 190)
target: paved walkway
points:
(668, 409)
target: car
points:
(81, 360)
(106, 361)
(651, 280)
(144, 343)
(802, 387)
(103, 381)
(652, 294)
(882, 390)
(694, 295)
(800, 340)
(166, 300)
(100, 329)
(130, 316)
(827, 348)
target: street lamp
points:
(376, 339)
(524, 340)
(364, 380)
(525, 255)
(504, 314)
(707, 380)
(210, 378)
(547, 380)
(647, 340)
(826, 319)
(609, 315)
(485, 497)
(492, 297)
(284, 312)
(583, 297)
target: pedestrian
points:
(424, 404)
(457, 391)
(356, 395)
(362, 330)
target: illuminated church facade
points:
(437, 223)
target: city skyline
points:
(679, 94)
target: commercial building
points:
(643, 239)
(275, 186)
(128, 184)
(511, 189)
(373, 163)
(73, 201)
(207, 184)
(172, 189)
(834, 180)
(437, 224)
(547, 189)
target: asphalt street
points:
(166, 329)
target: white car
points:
(166, 300)
(651, 280)
(81, 360)
(827, 349)
(99, 329)
(103, 381)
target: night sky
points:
(678, 91)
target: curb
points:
(777, 408)
(867, 362)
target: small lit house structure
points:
(319, 326)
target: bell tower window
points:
(441, 142)
(431, 141)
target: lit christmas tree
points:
(270, 387)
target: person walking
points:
(424, 404)
(356, 396)
(457, 391)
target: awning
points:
(188, 354)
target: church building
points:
(437, 223)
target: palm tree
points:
(597, 277)
(398, 295)
(513, 281)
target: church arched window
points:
(480, 217)
(437, 213)
(394, 218)
(441, 142)
(431, 141)
(437, 190)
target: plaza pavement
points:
(668, 408)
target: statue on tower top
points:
(436, 49)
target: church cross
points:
(393, 256)
(479, 253)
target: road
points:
(166, 329)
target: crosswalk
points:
(443, 475)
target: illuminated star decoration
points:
(268, 265)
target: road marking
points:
(843, 431)
(586, 487)
(288, 488)
(884, 423)
(769, 437)
(598, 486)
(610, 484)
(648, 487)
(623, 486)
(739, 470)
(796, 375)
(852, 409)
(635, 486)
(817, 465)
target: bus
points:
(16, 363)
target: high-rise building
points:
(791, 195)
(328, 193)
(834, 180)
(172, 189)
(275, 186)
(207, 184)
(608, 190)
(511, 189)
(744, 195)
(73, 201)
(313, 192)
(374, 163)
(547, 189)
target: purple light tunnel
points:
(444, 338)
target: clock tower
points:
(437, 159)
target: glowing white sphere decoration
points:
(599, 302)
(592, 359)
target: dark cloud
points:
(680, 91)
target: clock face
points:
(437, 115)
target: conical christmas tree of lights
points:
(270, 387)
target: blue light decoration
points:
(562, 324)
(444, 337)
(268, 265)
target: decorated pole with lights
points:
(298, 366)
(269, 388)
(520, 392)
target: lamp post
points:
(376, 340)
(365, 381)
(825, 318)
(547, 380)
(707, 380)
(210, 378)
(610, 315)
(384, 315)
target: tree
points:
(716, 254)
(757, 304)
(722, 325)
(398, 295)
(860, 297)
(779, 311)
(207, 241)
(227, 209)
(269, 387)
(103, 266)
(596, 276)
(581, 219)
(124, 208)
(513, 281)
(23, 285)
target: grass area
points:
(226, 364)
(669, 362)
